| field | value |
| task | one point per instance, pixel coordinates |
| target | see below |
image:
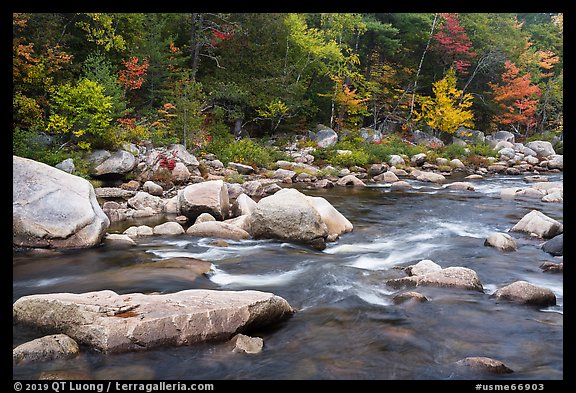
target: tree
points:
(452, 43)
(35, 69)
(517, 98)
(98, 69)
(275, 111)
(82, 112)
(449, 108)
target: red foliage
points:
(220, 36)
(517, 96)
(168, 163)
(133, 76)
(128, 122)
(453, 42)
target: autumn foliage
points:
(449, 108)
(133, 75)
(517, 98)
(452, 42)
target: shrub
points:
(357, 157)
(244, 151)
(84, 112)
(482, 149)
(454, 151)
(476, 161)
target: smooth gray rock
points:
(217, 229)
(539, 224)
(501, 241)
(288, 215)
(555, 246)
(57, 346)
(168, 228)
(110, 323)
(119, 163)
(526, 293)
(207, 197)
(450, 277)
(53, 209)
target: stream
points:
(347, 325)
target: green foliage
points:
(452, 151)
(84, 112)
(355, 157)
(26, 112)
(98, 69)
(293, 70)
(245, 151)
(27, 143)
(234, 178)
(248, 152)
(482, 149)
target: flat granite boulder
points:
(450, 277)
(112, 323)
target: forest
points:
(86, 81)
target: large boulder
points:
(217, 229)
(370, 135)
(179, 152)
(526, 293)
(554, 246)
(538, 224)
(112, 323)
(206, 197)
(422, 138)
(51, 208)
(542, 148)
(450, 277)
(326, 137)
(288, 215)
(500, 136)
(119, 163)
(142, 200)
(336, 223)
(555, 161)
(468, 135)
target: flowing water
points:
(346, 326)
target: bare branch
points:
(213, 58)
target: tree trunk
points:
(420, 66)
(195, 42)
(238, 128)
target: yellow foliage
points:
(448, 109)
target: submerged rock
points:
(45, 348)
(485, 364)
(109, 322)
(247, 344)
(409, 296)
